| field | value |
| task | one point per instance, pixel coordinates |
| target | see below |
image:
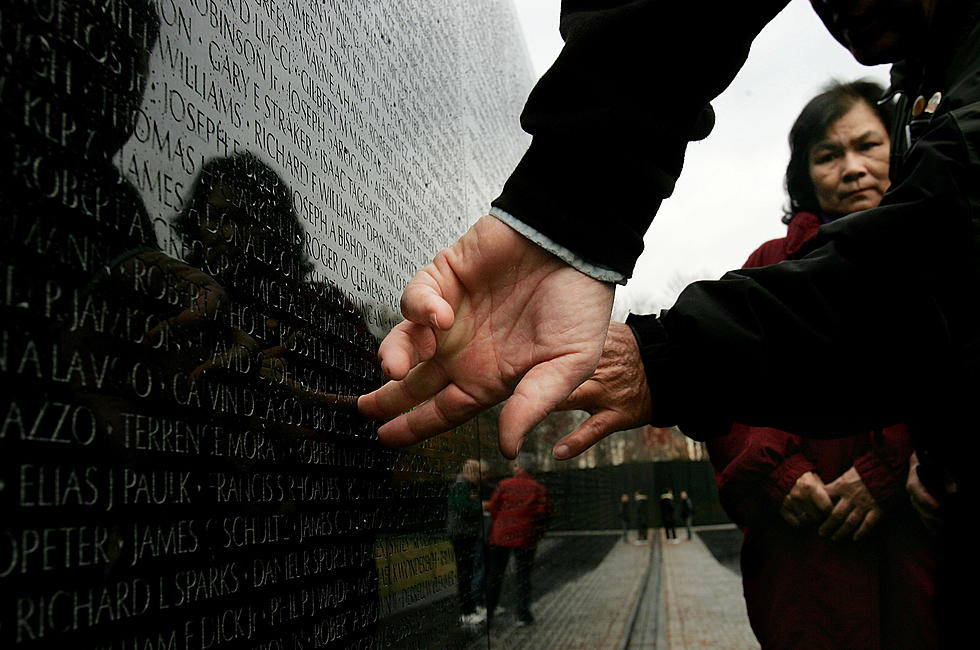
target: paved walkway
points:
(593, 611)
(703, 601)
(664, 597)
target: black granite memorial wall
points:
(209, 210)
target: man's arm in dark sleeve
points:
(612, 118)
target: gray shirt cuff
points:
(601, 273)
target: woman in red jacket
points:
(833, 555)
(521, 512)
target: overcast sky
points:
(729, 198)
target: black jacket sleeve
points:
(881, 314)
(611, 119)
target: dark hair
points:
(811, 126)
(258, 197)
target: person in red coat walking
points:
(520, 510)
(833, 555)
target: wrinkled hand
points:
(855, 511)
(807, 502)
(617, 395)
(493, 314)
(924, 504)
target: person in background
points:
(521, 511)
(463, 523)
(482, 552)
(667, 512)
(687, 513)
(624, 515)
(642, 514)
(833, 555)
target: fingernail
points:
(561, 452)
(434, 320)
(520, 443)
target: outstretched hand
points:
(855, 512)
(617, 395)
(493, 316)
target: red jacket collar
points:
(802, 229)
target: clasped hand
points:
(843, 508)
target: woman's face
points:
(849, 166)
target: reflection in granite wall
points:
(209, 210)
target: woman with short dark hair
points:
(809, 128)
(833, 555)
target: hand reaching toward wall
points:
(493, 316)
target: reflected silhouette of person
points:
(240, 227)
(74, 225)
(299, 344)
(239, 224)
(69, 103)
(66, 112)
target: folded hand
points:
(855, 511)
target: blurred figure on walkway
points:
(667, 511)
(642, 513)
(463, 523)
(521, 511)
(833, 555)
(687, 512)
(624, 515)
(480, 561)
